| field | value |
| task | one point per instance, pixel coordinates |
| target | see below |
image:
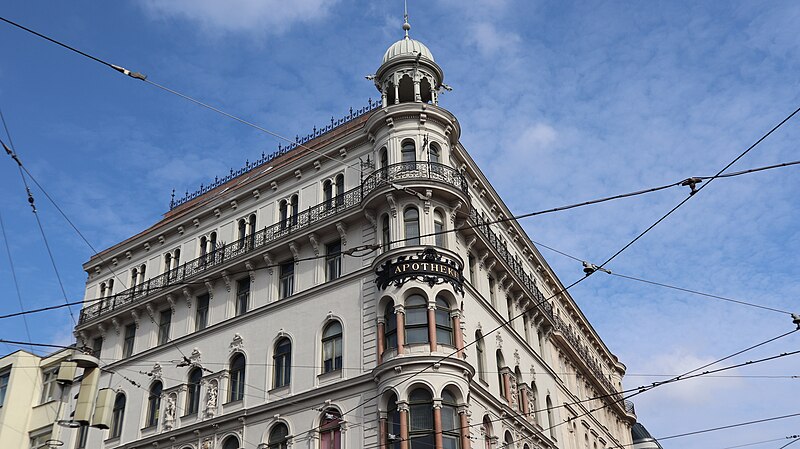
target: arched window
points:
(487, 433)
(330, 430)
(102, 290)
(251, 224)
(339, 190)
(416, 319)
(176, 259)
(168, 262)
(444, 324)
(332, 347)
(295, 209)
(117, 415)
(420, 429)
(438, 228)
(383, 157)
(237, 378)
(283, 208)
(135, 278)
(385, 235)
(534, 402)
(231, 443)
(408, 153)
(411, 222)
(282, 361)
(434, 153)
(526, 327)
(193, 391)
(520, 383)
(154, 403)
(242, 226)
(327, 193)
(550, 425)
(203, 246)
(481, 350)
(392, 423)
(279, 437)
(508, 440)
(142, 269)
(451, 427)
(492, 297)
(390, 327)
(500, 377)
(213, 241)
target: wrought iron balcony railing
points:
(291, 225)
(529, 282)
(629, 408)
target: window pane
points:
(417, 335)
(444, 336)
(416, 316)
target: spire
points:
(406, 25)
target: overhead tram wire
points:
(754, 443)
(13, 153)
(142, 77)
(14, 277)
(795, 440)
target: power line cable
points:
(14, 277)
(13, 153)
(729, 426)
(142, 77)
(754, 443)
(795, 440)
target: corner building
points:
(314, 299)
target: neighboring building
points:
(642, 438)
(256, 331)
(30, 399)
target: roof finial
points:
(406, 25)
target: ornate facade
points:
(359, 289)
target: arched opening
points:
(451, 427)
(392, 423)
(135, 278)
(332, 347)
(444, 324)
(508, 440)
(550, 425)
(534, 402)
(327, 193)
(176, 259)
(406, 89)
(421, 425)
(520, 386)
(390, 97)
(434, 153)
(408, 154)
(283, 208)
(385, 234)
(236, 372)
(117, 415)
(278, 437)
(438, 228)
(416, 325)
(295, 208)
(231, 443)
(339, 190)
(425, 90)
(411, 224)
(383, 158)
(488, 432)
(193, 391)
(330, 430)
(282, 362)
(242, 227)
(251, 224)
(501, 379)
(390, 322)
(480, 348)
(154, 403)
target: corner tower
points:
(408, 73)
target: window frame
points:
(49, 385)
(236, 378)
(242, 302)
(129, 340)
(117, 415)
(422, 309)
(282, 363)
(154, 403)
(202, 310)
(330, 350)
(164, 326)
(333, 263)
(193, 390)
(286, 279)
(411, 229)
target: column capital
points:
(400, 308)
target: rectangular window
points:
(492, 298)
(4, 386)
(333, 261)
(130, 337)
(97, 346)
(163, 326)
(201, 316)
(286, 287)
(38, 441)
(49, 385)
(471, 262)
(242, 296)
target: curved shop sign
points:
(428, 266)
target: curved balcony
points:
(415, 174)
(328, 210)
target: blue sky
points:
(559, 102)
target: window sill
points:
(112, 440)
(50, 401)
(281, 391)
(329, 376)
(149, 430)
(189, 415)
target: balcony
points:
(413, 172)
(629, 408)
(335, 207)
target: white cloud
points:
(490, 41)
(261, 16)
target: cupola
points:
(408, 72)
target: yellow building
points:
(30, 399)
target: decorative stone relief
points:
(251, 270)
(499, 339)
(342, 232)
(237, 343)
(194, 357)
(293, 247)
(212, 393)
(314, 243)
(270, 262)
(157, 371)
(392, 204)
(169, 412)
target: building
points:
(344, 293)
(642, 438)
(30, 399)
